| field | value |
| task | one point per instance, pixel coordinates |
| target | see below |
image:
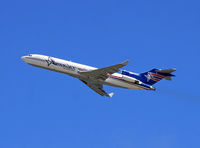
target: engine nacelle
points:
(130, 79)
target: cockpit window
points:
(30, 55)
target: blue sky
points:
(40, 108)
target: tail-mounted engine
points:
(130, 79)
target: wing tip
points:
(125, 62)
(174, 69)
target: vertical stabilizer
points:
(155, 75)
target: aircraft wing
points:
(98, 88)
(103, 73)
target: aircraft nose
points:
(23, 58)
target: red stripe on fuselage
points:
(114, 76)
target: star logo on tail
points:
(149, 77)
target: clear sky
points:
(40, 108)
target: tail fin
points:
(155, 75)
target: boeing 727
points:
(95, 78)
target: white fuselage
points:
(73, 69)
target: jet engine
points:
(130, 79)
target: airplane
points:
(95, 78)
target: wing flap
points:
(98, 88)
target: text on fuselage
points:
(65, 66)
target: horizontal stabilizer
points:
(166, 73)
(166, 70)
(168, 78)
